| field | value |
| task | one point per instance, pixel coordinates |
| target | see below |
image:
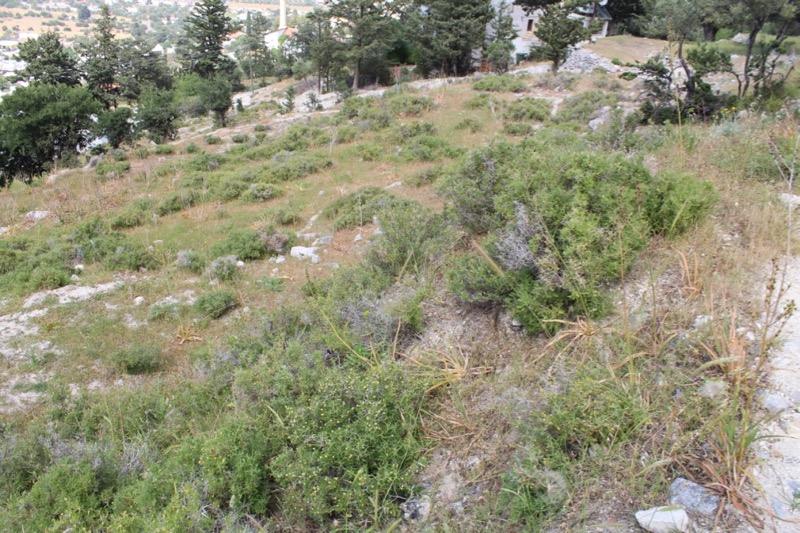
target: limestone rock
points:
(302, 253)
(664, 520)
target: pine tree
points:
(205, 29)
(448, 32)
(316, 42)
(365, 26)
(102, 60)
(48, 61)
(559, 33)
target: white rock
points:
(79, 268)
(701, 321)
(792, 200)
(139, 300)
(772, 402)
(713, 388)
(664, 519)
(4, 230)
(240, 264)
(327, 239)
(303, 252)
(280, 259)
(75, 278)
(321, 193)
(394, 185)
(358, 238)
(35, 216)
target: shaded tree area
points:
(40, 125)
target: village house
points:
(525, 22)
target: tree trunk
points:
(751, 41)
(709, 32)
(356, 74)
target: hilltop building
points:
(525, 22)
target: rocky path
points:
(777, 476)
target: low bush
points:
(427, 148)
(290, 167)
(223, 268)
(507, 83)
(190, 260)
(213, 139)
(174, 202)
(110, 170)
(367, 152)
(359, 208)
(165, 149)
(215, 304)
(245, 244)
(240, 138)
(482, 101)
(472, 125)
(536, 109)
(261, 192)
(406, 105)
(192, 148)
(138, 359)
(584, 107)
(517, 129)
(427, 176)
(564, 222)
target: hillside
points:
(478, 304)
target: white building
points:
(525, 22)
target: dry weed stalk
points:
(187, 333)
(448, 368)
(690, 275)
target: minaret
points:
(283, 22)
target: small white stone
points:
(394, 185)
(280, 259)
(139, 300)
(79, 268)
(321, 193)
(664, 519)
(240, 264)
(75, 278)
(701, 321)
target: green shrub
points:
(192, 148)
(482, 101)
(358, 208)
(213, 139)
(260, 128)
(564, 222)
(427, 176)
(521, 109)
(138, 359)
(563, 81)
(411, 236)
(427, 148)
(345, 134)
(240, 138)
(532, 494)
(471, 124)
(162, 311)
(475, 281)
(165, 149)
(130, 218)
(205, 162)
(285, 215)
(292, 167)
(261, 192)
(368, 151)
(517, 129)
(584, 106)
(174, 202)
(190, 260)
(109, 170)
(406, 105)
(215, 304)
(507, 83)
(223, 268)
(243, 243)
(47, 277)
(677, 202)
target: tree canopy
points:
(48, 61)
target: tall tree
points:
(448, 32)
(140, 66)
(252, 52)
(47, 61)
(558, 31)
(41, 124)
(500, 42)
(101, 59)
(205, 29)
(316, 42)
(365, 26)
